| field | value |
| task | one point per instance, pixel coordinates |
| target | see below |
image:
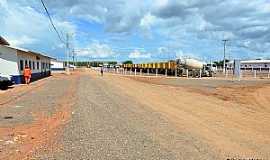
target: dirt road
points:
(86, 116)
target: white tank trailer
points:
(193, 68)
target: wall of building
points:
(57, 65)
(253, 65)
(40, 65)
(8, 61)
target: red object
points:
(27, 72)
(27, 75)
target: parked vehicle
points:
(5, 81)
(194, 67)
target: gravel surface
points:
(35, 100)
(109, 125)
(86, 116)
(26, 117)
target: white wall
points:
(8, 61)
(57, 64)
(262, 65)
(33, 58)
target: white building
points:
(13, 61)
(57, 66)
(253, 65)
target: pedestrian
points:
(101, 71)
(27, 74)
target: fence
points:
(246, 73)
(255, 73)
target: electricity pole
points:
(73, 57)
(224, 56)
(67, 53)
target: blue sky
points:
(149, 30)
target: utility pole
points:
(224, 56)
(73, 57)
(67, 53)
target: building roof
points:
(6, 44)
(254, 61)
(31, 52)
(3, 41)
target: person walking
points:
(101, 71)
(27, 73)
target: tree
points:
(128, 62)
(220, 63)
(112, 63)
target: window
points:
(26, 63)
(30, 65)
(21, 65)
(34, 65)
(38, 65)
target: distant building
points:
(13, 61)
(57, 66)
(253, 65)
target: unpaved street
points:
(86, 116)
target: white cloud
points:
(163, 50)
(97, 50)
(148, 20)
(21, 41)
(146, 24)
(136, 54)
(185, 22)
(161, 3)
(24, 26)
(181, 54)
(3, 3)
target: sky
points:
(140, 30)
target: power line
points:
(51, 21)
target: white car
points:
(5, 81)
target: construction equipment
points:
(179, 67)
(192, 67)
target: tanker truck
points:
(192, 67)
